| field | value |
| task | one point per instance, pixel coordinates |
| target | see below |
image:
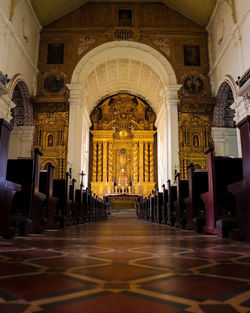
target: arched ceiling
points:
(126, 75)
(123, 66)
(199, 11)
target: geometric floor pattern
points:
(124, 265)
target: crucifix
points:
(82, 174)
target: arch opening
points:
(124, 67)
(224, 130)
(21, 138)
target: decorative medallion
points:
(53, 83)
(193, 84)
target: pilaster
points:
(170, 134)
(78, 126)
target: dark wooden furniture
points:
(180, 208)
(241, 189)
(81, 204)
(197, 184)
(29, 205)
(54, 220)
(7, 188)
(164, 205)
(158, 205)
(219, 210)
(61, 190)
(172, 196)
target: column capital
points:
(170, 91)
(76, 94)
(242, 108)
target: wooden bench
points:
(29, 205)
(7, 189)
(80, 198)
(172, 196)
(54, 220)
(197, 184)
(180, 208)
(241, 189)
(151, 208)
(220, 214)
(164, 205)
(61, 190)
(74, 205)
(158, 205)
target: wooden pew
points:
(61, 190)
(158, 205)
(7, 188)
(74, 206)
(151, 207)
(80, 198)
(54, 220)
(172, 196)
(182, 192)
(241, 189)
(197, 184)
(29, 205)
(222, 171)
(164, 205)
(89, 205)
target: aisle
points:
(123, 265)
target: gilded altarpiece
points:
(51, 136)
(194, 133)
(123, 157)
(182, 42)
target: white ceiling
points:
(123, 75)
(48, 11)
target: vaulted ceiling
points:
(48, 11)
(123, 75)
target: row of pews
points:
(211, 201)
(32, 200)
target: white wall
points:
(19, 37)
(229, 41)
(229, 46)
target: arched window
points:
(223, 114)
(23, 112)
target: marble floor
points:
(124, 265)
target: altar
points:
(123, 148)
(122, 202)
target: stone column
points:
(167, 124)
(79, 124)
(5, 104)
(225, 141)
(21, 142)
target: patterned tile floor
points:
(124, 265)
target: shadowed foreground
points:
(124, 265)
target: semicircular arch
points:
(123, 66)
